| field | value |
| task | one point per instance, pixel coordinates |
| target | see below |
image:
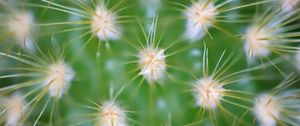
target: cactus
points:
(149, 62)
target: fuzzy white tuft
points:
(152, 63)
(200, 16)
(112, 115)
(15, 105)
(20, 25)
(257, 43)
(58, 79)
(104, 24)
(208, 93)
(267, 109)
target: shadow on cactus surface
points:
(149, 62)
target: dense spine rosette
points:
(257, 43)
(267, 110)
(208, 93)
(279, 107)
(272, 33)
(102, 21)
(39, 75)
(152, 63)
(111, 115)
(104, 24)
(58, 79)
(199, 18)
(201, 15)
